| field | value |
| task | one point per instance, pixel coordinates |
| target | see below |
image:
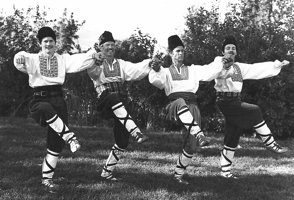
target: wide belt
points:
(48, 91)
(114, 87)
(228, 94)
(187, 96)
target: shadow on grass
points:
(204, 183)
(30, 136)
(87, 185)
(247, 186)
(23, 146)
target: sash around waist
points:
(49, 88)
(187, 96)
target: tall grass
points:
(146, 169)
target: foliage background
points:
(264, 29)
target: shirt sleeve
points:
(224, 74)
(94, 72)
(79, 62)
(28, 67)
(157, 79)
(210, 71)
(260, 70)
(135, 71)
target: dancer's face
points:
(48, 45)
(108, 49)
(178, 54)
(230, 50)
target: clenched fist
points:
(285, 63)
(99, 58)
(227, 62)
(155, 64)
(20, 60)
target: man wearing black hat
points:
(240, 115)
(180, 83)
(47, 71)
(108, 77)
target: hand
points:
(227, 62)
(227, 66)
(285, 63)
(20, 60)
(99, 58)
(155, 64)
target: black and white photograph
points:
(147, 100)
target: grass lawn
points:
(146, 169)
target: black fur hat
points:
(229, 40)
(174, 41)
(46, 32)
(106, 37)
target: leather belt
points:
(47, 93)
(228, 94)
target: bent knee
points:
(113, 99)
(180, 103)
(123, 145)
(257, 114)
(44, 107)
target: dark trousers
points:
(189, 141)
(105, 103)
(238, 116)
(43, 109)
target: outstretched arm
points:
(262, 70)
(135, 71)
(23, 62)
(210, 71)
(82, 61)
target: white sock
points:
(265, 134)
(121, 113)
(187, 119)
(49, 164)
(111, 161)
(60, 128)
(227, 155)
(183, 162)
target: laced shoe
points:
(74, 145)
(140, 138)
(109, 177)
(276, 148)
(202, 141)
(50, 186)
(228, 175)
(180, 180)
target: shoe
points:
(74, 145)
(276, 148)
(50, 186)
(140, 138)
(180, 180)
(202, 141)
(111, 178)
(228, 175)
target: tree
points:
(145, 100)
